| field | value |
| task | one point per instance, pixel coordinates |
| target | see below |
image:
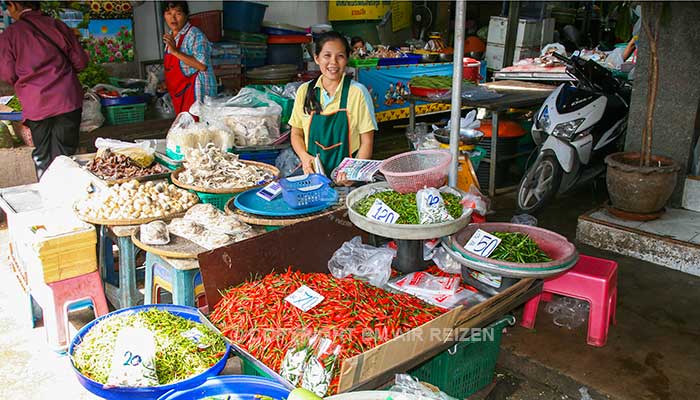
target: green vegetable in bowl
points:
(434, 81)
(405, 205)
(518, 248)
(14, 104)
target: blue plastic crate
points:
(306, 191)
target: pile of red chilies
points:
(354, 314)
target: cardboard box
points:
(307, 247)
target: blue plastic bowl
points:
(153, 392)
(240, 387)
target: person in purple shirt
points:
(41, 57)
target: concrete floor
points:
(652, 353)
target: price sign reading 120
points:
(482, 243)
(382, 213)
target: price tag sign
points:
(382, 213)
(304, 298)
(270, 191)
(482, 243)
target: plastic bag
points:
(290, 89)
(524, 219)
(185, 134)
(142, 153)
(319, 369)
(251, 116)
(445, 262)
(476, 201)
(164, 106)
(476, 93)
(431, 207)
(568, 312)
(92, 117)
(296, 359)
(423, 284)
(404, 383)
(554, 47)
(288, 163)
(133, 360)
(362, 261)
(468, 122)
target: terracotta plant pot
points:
(637, 189)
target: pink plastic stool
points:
(55, 298)
(591, 279)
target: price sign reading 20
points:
(482, 243)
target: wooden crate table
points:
(120, 286)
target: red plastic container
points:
(288, 39)
(470, 69)
(427, 92)
(208, 22)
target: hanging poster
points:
(111, 40)
(111, 9)
(388, 87)
(401, 14)
(340, 10)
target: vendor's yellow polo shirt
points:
(360, 110)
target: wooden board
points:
(178, 247)
(278, 221)
(274, 171)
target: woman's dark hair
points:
(311, 103)
(167, 5)
(355, 40)
(34, 5)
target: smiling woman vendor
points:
(189, 74)
(333, 116)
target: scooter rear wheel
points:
(540, 184)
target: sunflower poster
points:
(111, 9)
(110, 40)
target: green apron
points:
(329, 134)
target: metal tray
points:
(400, 231)
(83, 159)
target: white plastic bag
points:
(476, 201)
(251, 116)
(164, 106)
(288, 163)
(362, 261)
(431, 207)
(407, 384)
(133, 360)
(445, 262)
(424, 284)
(295, 360)
(186, 134)
(92, 117)
(319, 369)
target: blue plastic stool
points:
(160, 274)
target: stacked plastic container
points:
(242, 25)
(227, 58)
(284, 43)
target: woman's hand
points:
(307, 163)
(342, 179)
(170, 44)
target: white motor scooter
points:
(576, 127)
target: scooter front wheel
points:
(540, 184)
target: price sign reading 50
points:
(482, 243)
(382, 213)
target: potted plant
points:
(641, 182)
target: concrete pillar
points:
(678, 97)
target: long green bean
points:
(519, 248)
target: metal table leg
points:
(411, 115)
(493, 157)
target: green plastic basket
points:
(248, 368)
(363, 62)
(286, 103)
(217, 200)
(468, 366)
(120, 115)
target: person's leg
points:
(66, 134)
(41, 136)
